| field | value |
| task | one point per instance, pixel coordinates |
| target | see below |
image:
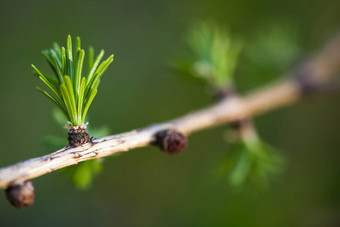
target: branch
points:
(310, 77)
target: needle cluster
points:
(72, 92)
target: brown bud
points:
(171, 141)
(223, 93)
(21, 195)
(238, 125)
(308, 80)
(78, 136)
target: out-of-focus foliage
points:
(269, 53)
(251, 159)
(82, 174)
(212, 55)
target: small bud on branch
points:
(170, 141)
(21, 195)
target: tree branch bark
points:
(309, 77)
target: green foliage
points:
(275, 48)
(212, 55)
(82, 174)
(251, 160)
(269, 54)
(72, 92)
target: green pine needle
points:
(72, 92)
(253, 161)
(212, 55)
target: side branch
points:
(311, 76)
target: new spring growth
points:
(69, 89)
(212, 55)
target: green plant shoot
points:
(212, 55)
(72, 92)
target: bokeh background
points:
(145, 187)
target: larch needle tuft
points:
(72, 92)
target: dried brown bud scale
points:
(21, 195)
(171, 141)
(241, 124)
(307, 80)
(223, 92)
(78, 136)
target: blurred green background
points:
(145, 187)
